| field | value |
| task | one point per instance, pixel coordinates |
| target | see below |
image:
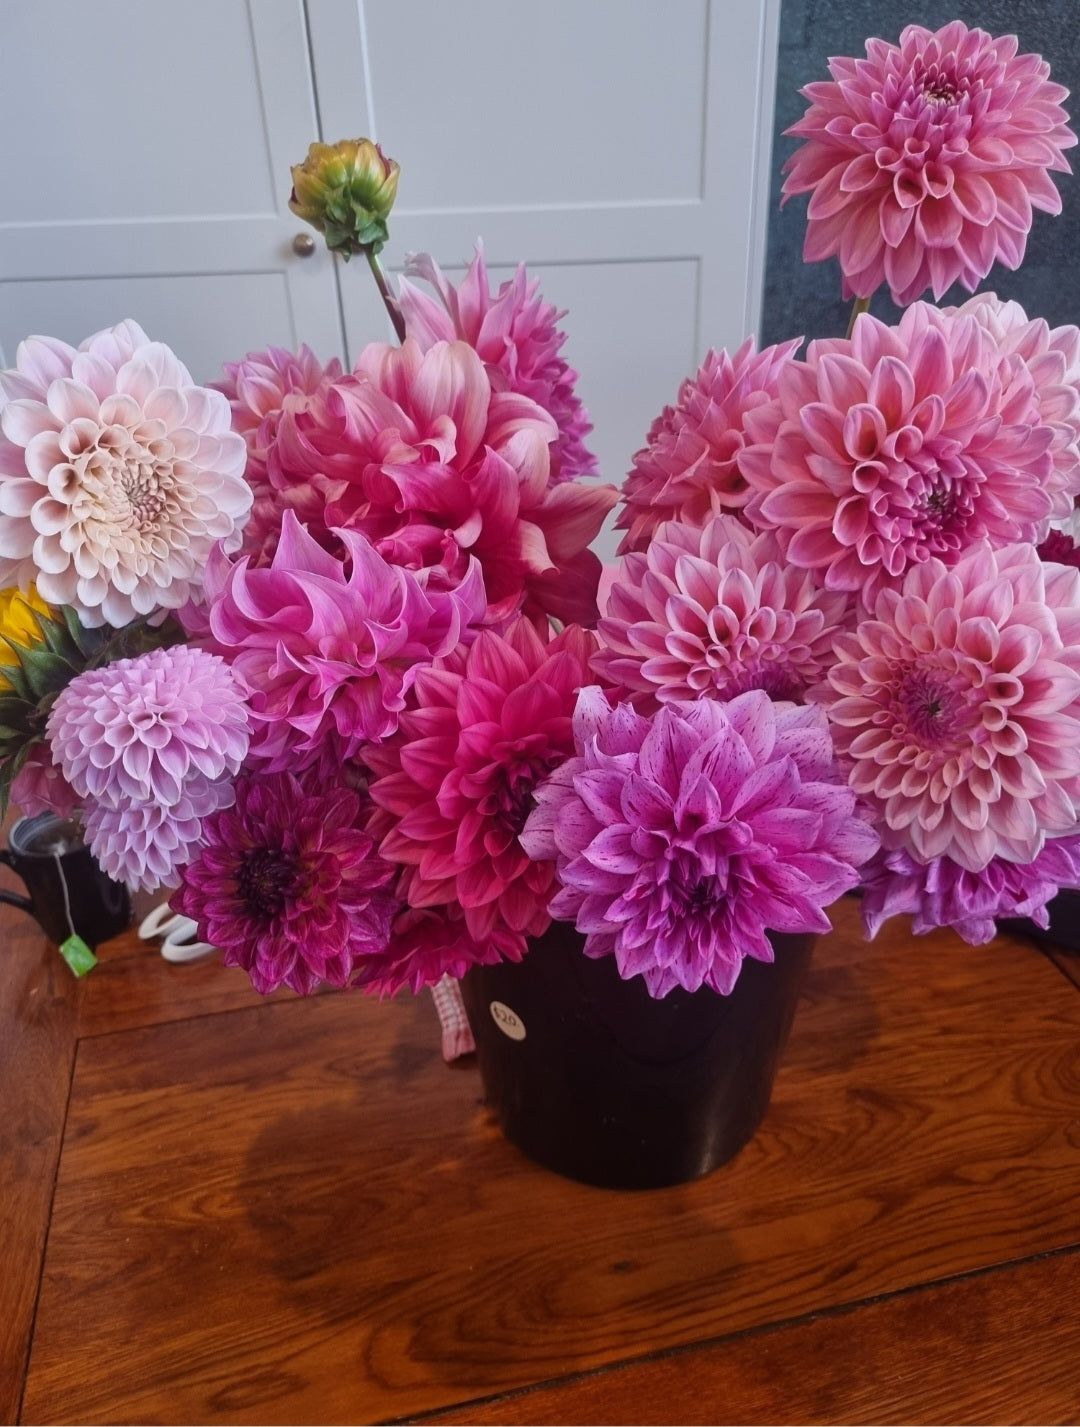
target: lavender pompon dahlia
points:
(289, 886)
(941, 893)
(682, 839)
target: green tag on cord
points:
(78, 955)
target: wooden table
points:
(222, 1209)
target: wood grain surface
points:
(294, 1212)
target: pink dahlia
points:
(428, 943)
(517, 336)
(328, 647)
(40, 787)
(688, 469)
(941, 894)
(421, 454)
(139, 730)
(117, 475)
(288, 885)
(1059, 549)
(956, 707)
(1052, 357)
(712, 612)
(455, 784)
(259, 389)
(681, 840)
(145, 844)
(902, 444)
(925, 160)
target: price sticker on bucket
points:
(509, 1022)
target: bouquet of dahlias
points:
(327, 652)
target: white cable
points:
(176, 932)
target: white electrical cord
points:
(177, 934)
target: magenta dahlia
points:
(940, 893)
(288, 884)
(688, 469)
(328, 647)
(926, 158)
(428, 943)
(517, 336)
(712, 612)
(898, 445)
(956, 707)
(419, 451)
(455, 784)
(259, 389)
(681, 840)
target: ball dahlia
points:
(288, 884)
(688, 468)
(681, 840)
(117, 475)
(956, 707)
(926, 159)
(712, 612)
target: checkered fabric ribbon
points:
(457, 1038)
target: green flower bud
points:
(346, 191)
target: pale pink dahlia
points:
(681, 840)
(421, 454)
(956, 707)
(941, 894)
(1052, 357)
(259, 389)
(688, 468)
(288, 885)
(902, 444)
(454, 786)
(151, 746)
(925, 160)
(117, 475)
(516, 334)
(712, 612)
(327, 647)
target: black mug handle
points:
(12, 898)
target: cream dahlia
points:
(901, 444)
(926, 158)
(117, 475)
(956, 707)
(712, 612)
(688, 468)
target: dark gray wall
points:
(804, 298)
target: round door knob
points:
(303, 245)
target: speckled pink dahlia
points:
(902, 444)
(1052, 357)
(259, 389)
(420, 453)
(117, 475)
(712, 612)
(925, 160)
(288, 885)
(516, 334)
(328, 647)
(688, 469)
(956, 707)
(455, 784)
(941, 894)
(681, 840)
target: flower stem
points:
(861, 304)
(385, 293)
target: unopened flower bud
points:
(346, 190)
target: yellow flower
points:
(346, 190)
(17, 623)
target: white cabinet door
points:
(145, 173)
(621, 147)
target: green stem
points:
(385, 293)
(861, 304)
